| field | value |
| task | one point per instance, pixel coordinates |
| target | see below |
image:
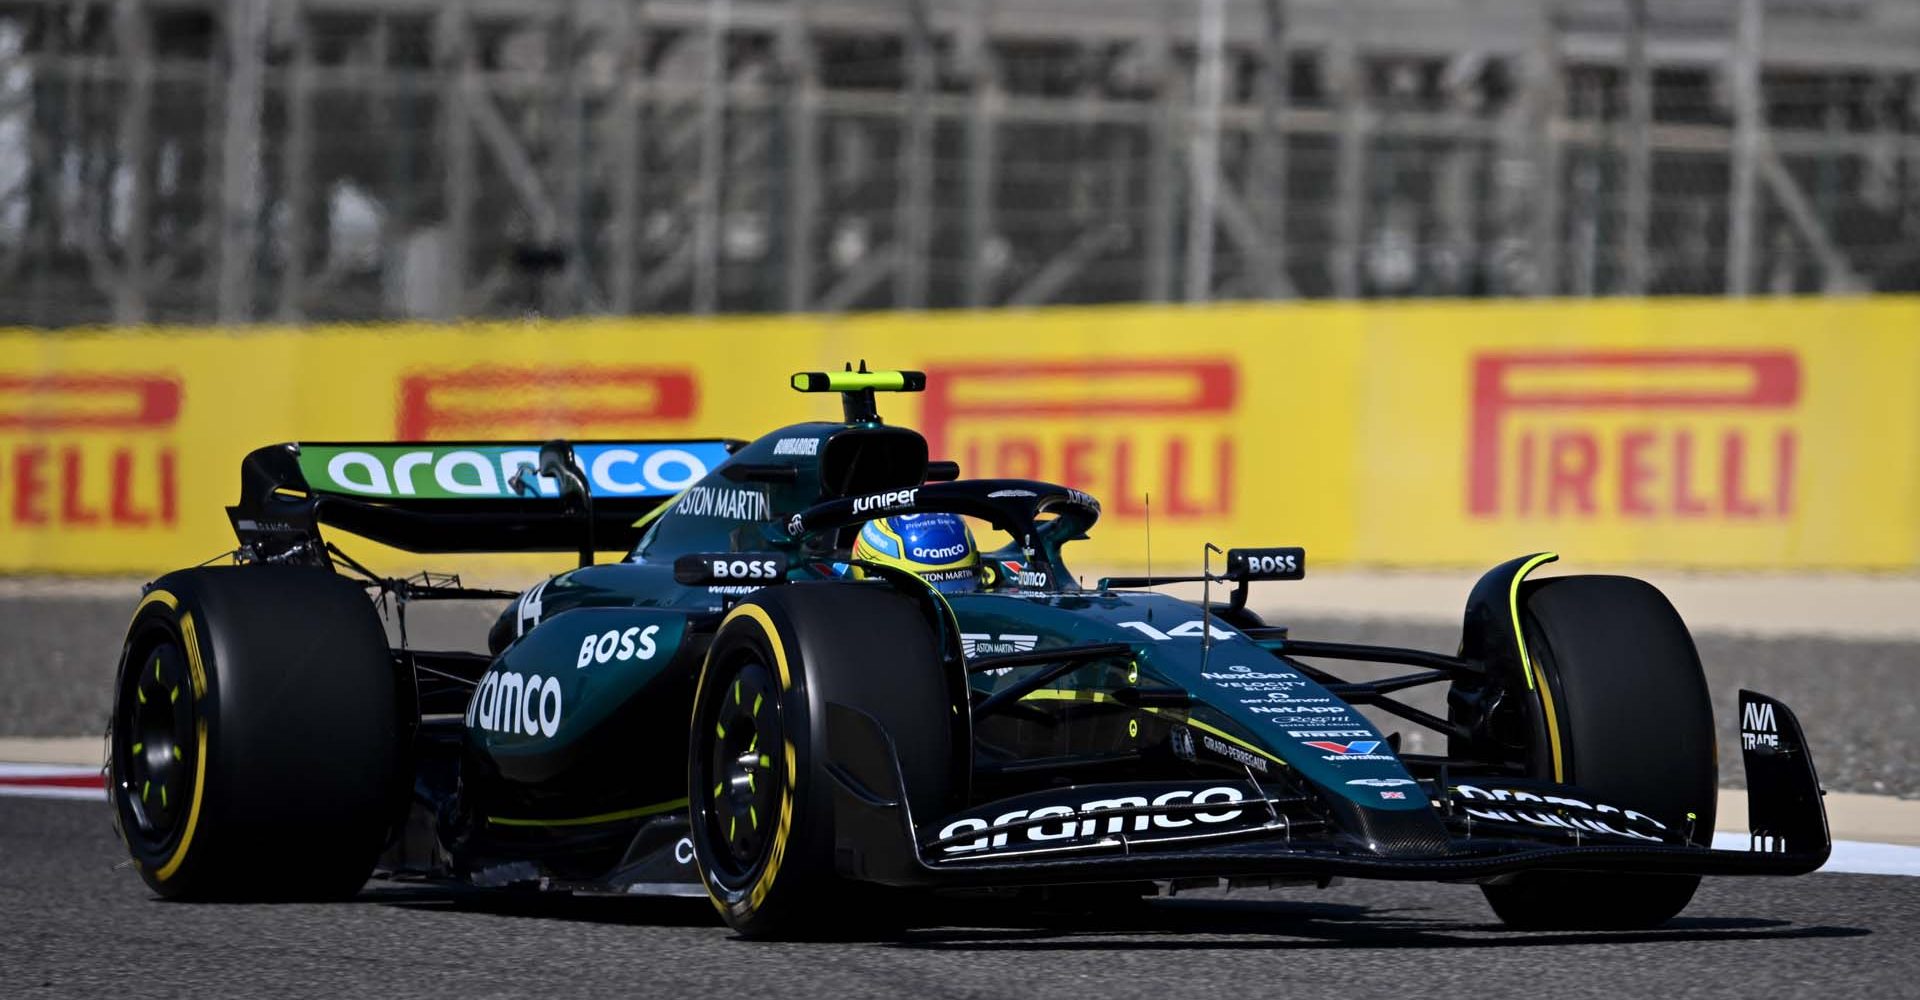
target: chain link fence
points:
(353, 160)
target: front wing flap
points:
(1269, 833)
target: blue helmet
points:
(936, 547)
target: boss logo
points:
(745, 569)
(632, 644)
(730, 568)
(1267, 564)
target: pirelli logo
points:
(1120, 429)
(1634, 434)
(538, 401)
(89, 451)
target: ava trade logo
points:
(501, 401)
(89, 450)
(1117, 429)
(1634, 434)
(641, 469)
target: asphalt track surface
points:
(73, 924)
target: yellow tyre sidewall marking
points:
(1526, 663)
(764, 884)
(197, 669)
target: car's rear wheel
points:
(1624, 713)
(760, 800)
(255, 736)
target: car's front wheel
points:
(1623, 712)
(760, 797)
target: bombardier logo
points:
(797, 446)
(1084, 820)
(506, 702)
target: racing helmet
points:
(938, 548)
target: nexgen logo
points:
(500, 401)
(1634, 434)
(1117, 428)
(89, 450)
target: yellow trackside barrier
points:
(1764, 434)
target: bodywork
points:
(1115, 733)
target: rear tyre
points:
(254, 746)
(1623, 688)
(759, 797)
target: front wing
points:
(877, 839)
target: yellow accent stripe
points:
(1526, 663)
(1101, 698)
(611, 817)
(654, 515)
(193, 811)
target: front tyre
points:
(760, 798)
(255, 736)
(1624, 707)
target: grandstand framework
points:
(192, 161)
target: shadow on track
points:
(1185, 924)
(959, 925)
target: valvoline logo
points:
(1357, 746)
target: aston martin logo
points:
(974, 644)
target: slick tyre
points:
(254, 747)
(760, 799)
(1632, 723)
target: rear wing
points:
(458, 496)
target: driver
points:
(938, 548)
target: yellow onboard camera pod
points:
(859, 387)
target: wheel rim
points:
(743, 787)
(156, 748)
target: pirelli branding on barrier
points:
(88, 451)
(1692, 433)
(1133, 431)
(1634, 434)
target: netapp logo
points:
(617, 645)
(505, 702)
(1084, 820)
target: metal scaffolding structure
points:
(236, 161)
